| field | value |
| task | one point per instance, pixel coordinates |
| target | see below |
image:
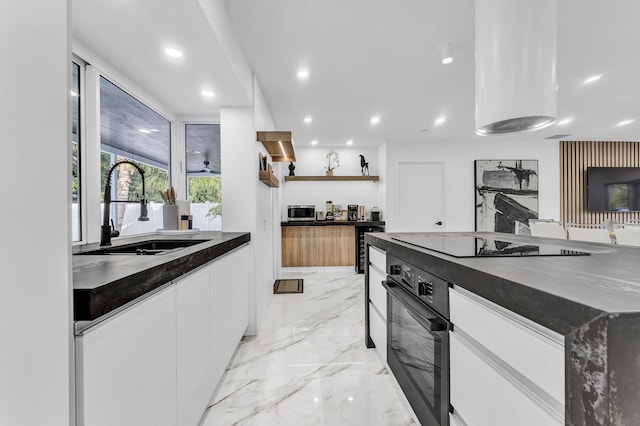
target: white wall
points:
(247, 204)
(310, 161)
(267, 235)
(239, 184)
(35, 295)
(458, 158)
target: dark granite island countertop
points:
(593, 301)
(105, 283)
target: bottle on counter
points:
(184, 221)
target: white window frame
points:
(82, 158)
(93, 69)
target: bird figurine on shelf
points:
(364, 165)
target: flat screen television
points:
(613, 189)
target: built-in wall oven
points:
(418, 339)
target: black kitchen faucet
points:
(107, 230)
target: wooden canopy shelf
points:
(331, 178)
(279, 146)
(268, 178)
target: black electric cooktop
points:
(467, 246)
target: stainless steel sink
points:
(144, 248)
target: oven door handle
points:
(419, 311)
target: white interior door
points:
(420, 197)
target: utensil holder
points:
(169, 216)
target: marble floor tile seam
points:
(321, 401)
(308, 365)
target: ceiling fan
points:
(206, 169)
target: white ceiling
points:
(131, 36)
(365, 58)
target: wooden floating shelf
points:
(331, 178)
(275, 143)
(268, 178)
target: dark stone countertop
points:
(104, 283)
(593, 301)
(332, 223)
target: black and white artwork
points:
(506, 195)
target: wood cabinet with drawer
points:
(318, 246)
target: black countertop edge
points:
(92, 303)
(561, 315)
(333, 223)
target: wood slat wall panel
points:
(575, 157)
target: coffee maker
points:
(352, 212)
(375, 214)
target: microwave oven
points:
(301, 212)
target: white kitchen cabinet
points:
(126, 371)
(229, 293)
(378, 301)
(504, 369)
(193, 344)
(159, 361)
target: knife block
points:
(169, 216)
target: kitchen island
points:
(592, 302)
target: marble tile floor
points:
(308, 365)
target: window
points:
(76, 214)
(131, 130)
(202, 143)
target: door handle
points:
(439, 223)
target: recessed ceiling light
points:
(208, 93)
(308, 119)
(625, 122)
(446, 52)
(350, 142)
(593, 78)
(314, 142)
(303, 74)
(375, 120)
(565, 121)
(440, 120)
(144, 130)
(174, 53)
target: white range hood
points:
(516, 49)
